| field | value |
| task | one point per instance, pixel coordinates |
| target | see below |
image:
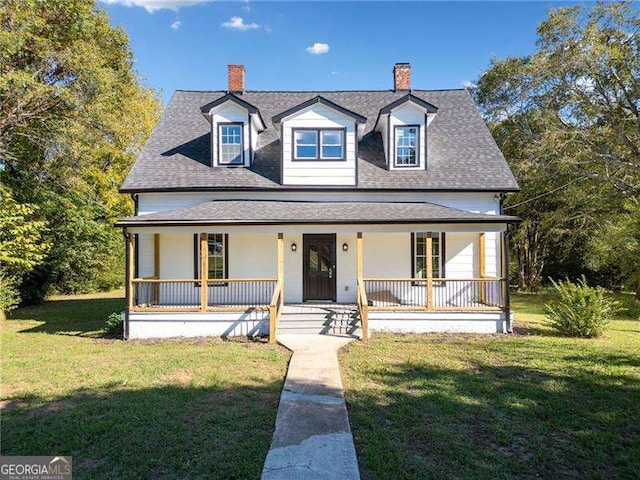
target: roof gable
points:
(230, 97)
(321, 100)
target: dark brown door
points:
(319, 267)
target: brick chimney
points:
(236, 78)
(402, 76)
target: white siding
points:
(231, 113)
(253, 256)
(461, 253)
(321, 172)
(472, 202)
(387, 255)
(407, 114)
(145, 255)
(176, 256)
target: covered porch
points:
(380, 269)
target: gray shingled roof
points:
(279, 212)
(461, 153)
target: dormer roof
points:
(230, 97)
(321, 100)
(408, 98)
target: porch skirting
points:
(194, 324)
(433, 322)
(256, 323)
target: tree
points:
(73, 117)
(568, 120)
(21, 243)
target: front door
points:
(319, 267)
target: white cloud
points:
(153, 5)
(335, 72)
(237, 23)
(468, 84)
(176, 25)
(246, 7)
(318, 48)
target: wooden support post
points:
(482, 266)
(364, 308)
(359, 257)
(131, 245)
(429, 268)
(204, 271)
(506, 301)
(504, 269)
(281, 258)
(276, 308)
(156, 266)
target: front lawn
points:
(529, 405)
(141, 409)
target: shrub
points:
(580, 310)
(114, 324)
(9, 297)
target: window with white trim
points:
(231, 145)
(419, 255)
(318, 144)
(406, 142)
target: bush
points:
(9, 297)
(580, 310)
(114, 324)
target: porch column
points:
(156, 266)
(281, 258)
(482, 266)
(506, 300)
(429, 267)
(361, 291)
(131, 245)
(277, 299)
(204, 271)
(128, 284)
(359, 253)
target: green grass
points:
(528, 405)
(140, 409)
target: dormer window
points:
(406, 142)
(319, 144)
(231, 148)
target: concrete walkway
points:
(312, 439)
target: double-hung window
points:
(318, 144)
(406, 142)
(230, 142)
(217, 251)
(419, 255)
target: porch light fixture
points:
(345, 247)
(294, 247)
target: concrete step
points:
(322, 331)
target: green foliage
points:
(73, 117)
(9, 297)
(580, 310)
(21, 243)
(566, 118)
(114, 324)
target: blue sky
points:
(186, 44)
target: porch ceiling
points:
(262, 212)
